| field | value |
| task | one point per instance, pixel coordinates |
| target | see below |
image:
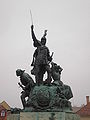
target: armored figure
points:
(56, 75)
(26, 84)
(56, 72)
(41, 59)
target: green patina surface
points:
(44, 116)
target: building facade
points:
(3, 113)
(84, 112)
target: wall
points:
(13, 117)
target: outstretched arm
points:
(36, 42)
(32, 33)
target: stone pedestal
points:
(13, 117)
(48, 116)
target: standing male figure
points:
(41, 59)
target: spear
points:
(31, 17)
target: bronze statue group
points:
(48, 94)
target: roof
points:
(2, 108)
(85, 110)
(75, 109)
(5, 105)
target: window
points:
(2, 113)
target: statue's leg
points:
(36, 73)
(39, 78)
(39, 75)
(49, 79)
(23, 96)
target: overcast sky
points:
(68, 25)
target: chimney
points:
(87, 99)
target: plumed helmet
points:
(43, 39)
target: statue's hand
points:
(32, 26)
(19, 84)
(50, 58)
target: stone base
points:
(13, 117)
(48, 116)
